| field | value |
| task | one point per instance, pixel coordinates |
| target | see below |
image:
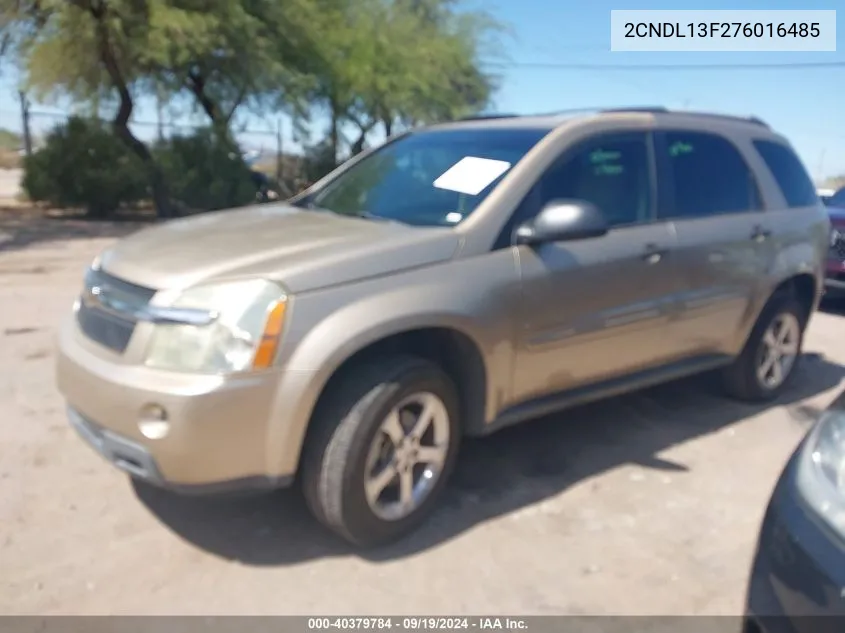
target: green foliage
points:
(83, 165)
(363, 64)
(399, 62)
(205, 171)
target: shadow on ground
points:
(24, 227)
(835, 306)
(497, 475)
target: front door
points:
(598, 308)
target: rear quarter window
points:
(789, 172)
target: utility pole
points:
(27, 137)
(160, 111)
(279, 153)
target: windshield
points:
(429, 178)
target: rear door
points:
(723, 234)
(799, 219)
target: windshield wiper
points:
(371, 216)
(378, 218)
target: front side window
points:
(612, 172)
(428, 178)
(708, 175)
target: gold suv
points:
(455, 280)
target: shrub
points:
(205, 171)
(82, 164)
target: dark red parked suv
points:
(835, 277)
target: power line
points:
(669, 67)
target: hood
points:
(302, 249)
(836, 215)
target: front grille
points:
(106, 309)
(105, 328)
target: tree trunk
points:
(120, 124)
(158, 185)
(363, 130)
(219, 118)
(358, 145)
(334, 131)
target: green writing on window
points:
(608, 170)
(601, 156)
(679, 149)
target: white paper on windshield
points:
(471, 175)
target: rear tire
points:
(357, 444)
(767, 365)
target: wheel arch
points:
(441, 341)
(803, 287)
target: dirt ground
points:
(645, 504)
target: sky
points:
(805, 104)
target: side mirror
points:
(563, 220)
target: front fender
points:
(329, 326)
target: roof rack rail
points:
(562, 112)
(483, 117)
(637, 109)
(598, 109)
(729, 117)
(726, 117)
(633, 109)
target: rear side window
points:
(789, 172)
(708, 176)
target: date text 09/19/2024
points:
(722, 30)
(417, 623)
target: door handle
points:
(653, 254)
(760, 234)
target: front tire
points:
(384, 442)
(771, 355)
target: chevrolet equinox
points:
(457, 279)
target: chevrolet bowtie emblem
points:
(92, 295)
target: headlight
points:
(244, 323)
(821, 469)
(835, 236)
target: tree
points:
(88, 49)
(363, 63)
(224, 53)
(450, 43)
(398, 62)
(229, 53)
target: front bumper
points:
(136, 460)
(221, 428)
(797, 582)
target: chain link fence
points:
(284, 172)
